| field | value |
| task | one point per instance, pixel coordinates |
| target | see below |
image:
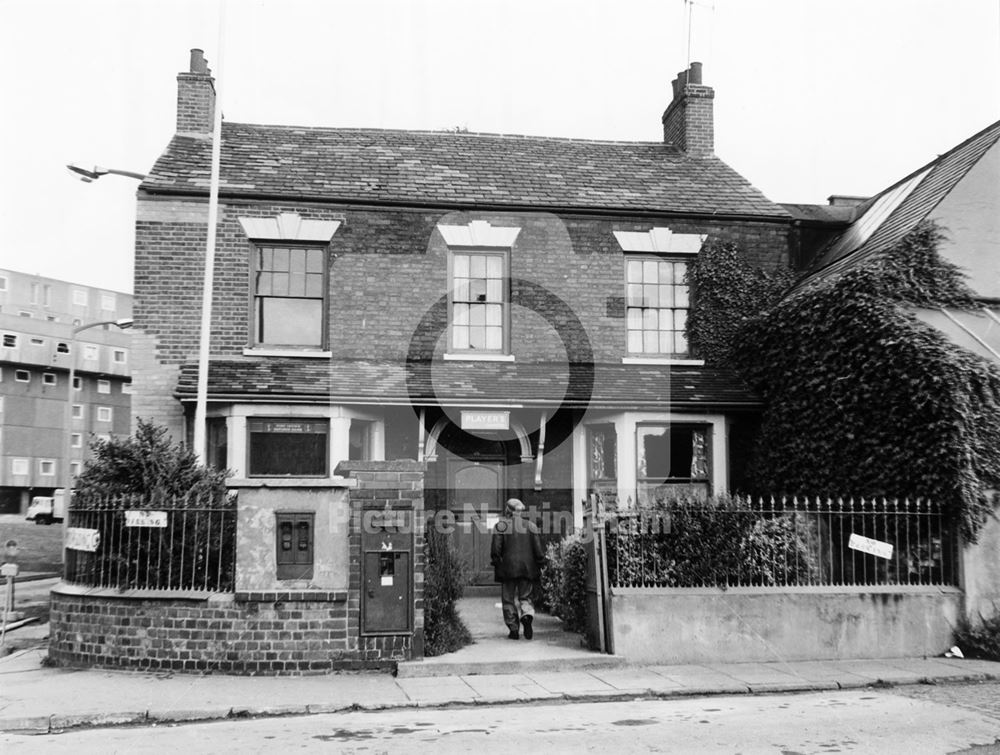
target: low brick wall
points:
(254, 631)
(220, 633)
(744, 624)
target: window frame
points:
(105, 410)
(672, 259)
(19, 373)
(49, 378)
(505, 318)
(258, 245)
(23, 463)
(103, 386)
(41, 467)
(705, 428)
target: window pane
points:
(666, 296)
(680, 270)
(633, 294)
(461, 314)
(666, 342)
(633, 271)
(477, 314)
(635, 341)
(494, 267)
(680, 296)
(477, 289)
(680, 319)
(650, 342)
(460, 337)
(460, 268)
(666, 272)
(650, 321)
(680, 343)
(297, 260)
(651, 296)
(477, 266)
(297, 284)
(477, 337)
(650, 273)
(494, 338)
(281, 259)
(634, 317)
(279, 284)
(291, 322)
(494, 313)
(461, 291)
(314, 285)
(265, 259)
(494, 290)
(314, 261)
(666, 319)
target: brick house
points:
(509, 310)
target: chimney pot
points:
(198, 64)
(688, 119)
(694, 75)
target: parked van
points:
(45, 509)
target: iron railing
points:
(128, 542)
(797, 542)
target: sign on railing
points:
(81, 539)
(867, 545)
(145, 518)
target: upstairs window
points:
(478, 302)
(289, 296)
(656, 301)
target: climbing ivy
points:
(729, 291)
(861, 397)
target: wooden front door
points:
(475, 496)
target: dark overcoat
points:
(516, 550)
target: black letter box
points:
(294, 545)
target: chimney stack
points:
(688, 120)
(196, 98)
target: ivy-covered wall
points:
(861, 398)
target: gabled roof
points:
(888, 217)
(448, 168)
(469, 383)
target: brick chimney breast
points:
(196, 98)
(688, 122)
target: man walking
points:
(516, 553)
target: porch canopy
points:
(456, 383)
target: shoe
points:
(528, 631)
(513, 635)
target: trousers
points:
(515, 599)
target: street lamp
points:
(123, 323)
(93, 172)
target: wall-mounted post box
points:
(387, 572)
(295, 534)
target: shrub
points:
(980, 640)
(564, 582)
(444, 582)
(148, 464)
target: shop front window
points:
(673, 462)
(296, 448)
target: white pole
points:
(205, 337)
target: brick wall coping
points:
(802, 590)
(292, 596)
(398, 465)
(293, 482)
(207, 596)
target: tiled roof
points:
(447, 168)
(456, 382)
(932, 184)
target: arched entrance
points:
(471, 476)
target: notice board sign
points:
(145, 518)
(867, 545)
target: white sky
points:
(813, 97)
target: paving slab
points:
(695, 677)
(437, 690)
(507, 688)
(636, 679)
(570, 682)
(754, 674)
(881, 671)
(989, 669)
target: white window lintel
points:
(660, 241)
(290, 226)
(479, 234)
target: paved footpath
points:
(42, 700)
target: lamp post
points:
(93, 172)
(68, 416)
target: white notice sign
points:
(80, 539)
(145, 518)
(485, 420)
(867, 545)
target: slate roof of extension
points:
(457, 383)
(939, 177)
(447, 168)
